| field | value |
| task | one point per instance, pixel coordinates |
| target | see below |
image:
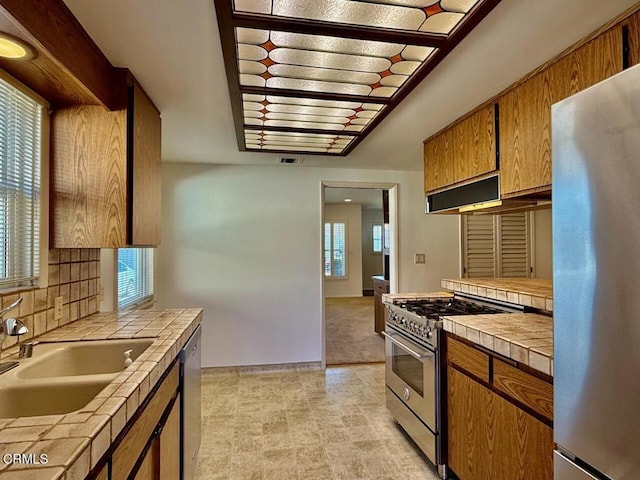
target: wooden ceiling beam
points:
(69, 68)
(336, 97)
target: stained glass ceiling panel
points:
(294, 61)
(308, 142)
(267, 110)
(440, 17)
(317, 76)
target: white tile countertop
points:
(388, 298)
(526, 338)
(528, 292)
(75, 442)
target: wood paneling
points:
(128, 451)
(465, 150)
(88, 185)
(170, 444)
(525, 111)
(527, 389)
(488, 437)
(69, 69)
(468, 358)
(145, 200)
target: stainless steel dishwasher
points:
(190, 364)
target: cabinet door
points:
(475, 137)
(149, 468)
(88, 177)
(170, 444)
(145, 185)
(525, 112)
(489, 437)
(438, 167)
(633, 24)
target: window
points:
(335, 243)
(497, 245)
(21, 123)
(377, 238)
(135, 276)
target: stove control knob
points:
(406, 393)
(429, 333)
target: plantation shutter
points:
(480, 252)
(496, 245)
(20, 155)
(514, 245)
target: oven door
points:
(410, 371)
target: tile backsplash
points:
(73, 275)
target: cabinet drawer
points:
(127, 453)
(527, 389)
(468, 358)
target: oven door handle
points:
(409, 349)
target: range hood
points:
(482, 197)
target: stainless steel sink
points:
(33, 399)
(69, 359)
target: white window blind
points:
(335, 243)
(135, 276)
(496, 245)
(20, 157)
(377, 238)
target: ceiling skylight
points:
(316, 76)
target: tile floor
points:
(307, 425)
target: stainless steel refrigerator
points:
(596, 281)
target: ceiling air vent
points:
(291, 160)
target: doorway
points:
(354, 249)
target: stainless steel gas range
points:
(414, 370)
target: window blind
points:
(20, 157)
(377, 238)
(135, 276)
(335, 242)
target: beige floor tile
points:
(328, 425)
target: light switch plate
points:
(419, 258)
(57, 309)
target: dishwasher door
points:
(190, 363)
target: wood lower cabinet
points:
(105, 176)
(463, 151)
(142, 440)
(490, 435)
(380, 287)
(525, 111)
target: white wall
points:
(371, 262)
(351, 286)
(244, 243)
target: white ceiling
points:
(367, 197)
(173, 49)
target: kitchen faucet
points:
(12, 327)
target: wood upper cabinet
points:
(465, 150)
(105, 176)
(525, 111)
(632, 24)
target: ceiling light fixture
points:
(15, 49)
(347, 200)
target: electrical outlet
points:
(57, 309)
(419, 258)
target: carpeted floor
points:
(349, 331)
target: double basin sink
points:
(63, 377)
